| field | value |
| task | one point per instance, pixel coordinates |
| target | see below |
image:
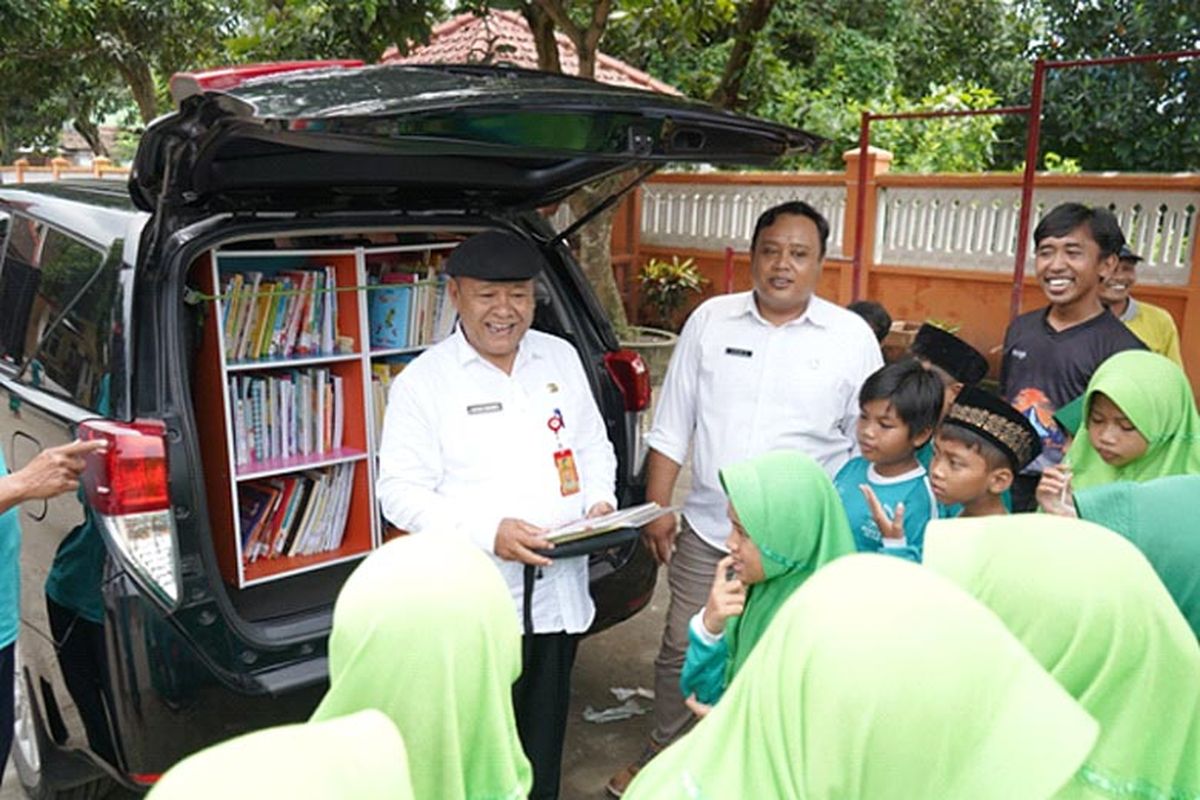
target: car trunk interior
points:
(292, 331)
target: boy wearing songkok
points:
(981, 444)
(955, 362)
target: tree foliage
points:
(1133, 116)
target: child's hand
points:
(697, 708)
(888, 528)
(726, 599)
(1054, 492)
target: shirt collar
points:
(1130, 310)
(817, 312)
(465, 352)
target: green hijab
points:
(1155, 394)
(795, 517)
(1092, 611)
(424, 630)
(880, 680)
(1159, 517)
(360, 755)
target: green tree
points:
(1126, 116)
(274, 30)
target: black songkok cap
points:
(995, 420)
(495, 256)
(945, 350)
(1128, 255)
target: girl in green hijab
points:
(1091, 610)
(1139, 423)
(360, 755)
(1159, 517)
(424, 631)
(787, 521)
(878, 679)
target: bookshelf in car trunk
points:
(289, 393)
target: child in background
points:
(875, 315)
(1140, 423)
(953, 361)
(982, 443)
(901, 404)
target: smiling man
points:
(1151, 324)
(1051, 353)
(494, 434)
(770, 369)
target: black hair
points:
(876, 316)
(993, 456)
(1066, 217)
(797, 208)
(915, 392)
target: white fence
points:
(950, 227)
(966, 228)
(707, 216)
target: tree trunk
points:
(593, 248)
(136, 73)
(750, 22)
(543, 37)
(91, 134)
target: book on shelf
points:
(382, 375)
(409, 305)
(299, 412)
(290, 314)
(632, 517)
(295, 515)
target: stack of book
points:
(292, 313)
(286, 414)
(382, 375)
(295, 515)
(407, 310)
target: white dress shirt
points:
(464, 445)
(738, 386)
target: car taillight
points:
(126, 485)
(629, 371)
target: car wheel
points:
(27, 751)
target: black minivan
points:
(142, 639)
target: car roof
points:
(98, 210)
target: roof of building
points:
(504, 37)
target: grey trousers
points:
(689, 577)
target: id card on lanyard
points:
(564, 459)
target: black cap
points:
(495, 256)
(995, 420)
(1128, 255)
(943, 349)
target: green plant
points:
(667, 284)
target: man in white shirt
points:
(773, 368)
(494, 433)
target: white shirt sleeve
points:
(410, 469)
(675, 416)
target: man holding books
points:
(494, 434)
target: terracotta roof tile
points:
(504, 36)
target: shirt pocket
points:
(813, 394)
(731, 373)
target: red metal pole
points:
(1031, 157)
(860, 209)
(728, 270)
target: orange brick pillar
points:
(878, 162)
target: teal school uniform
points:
(10, 570)
(911, 488)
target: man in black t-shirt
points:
(1051, 353)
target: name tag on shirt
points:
(485, 408)
(737, 351)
